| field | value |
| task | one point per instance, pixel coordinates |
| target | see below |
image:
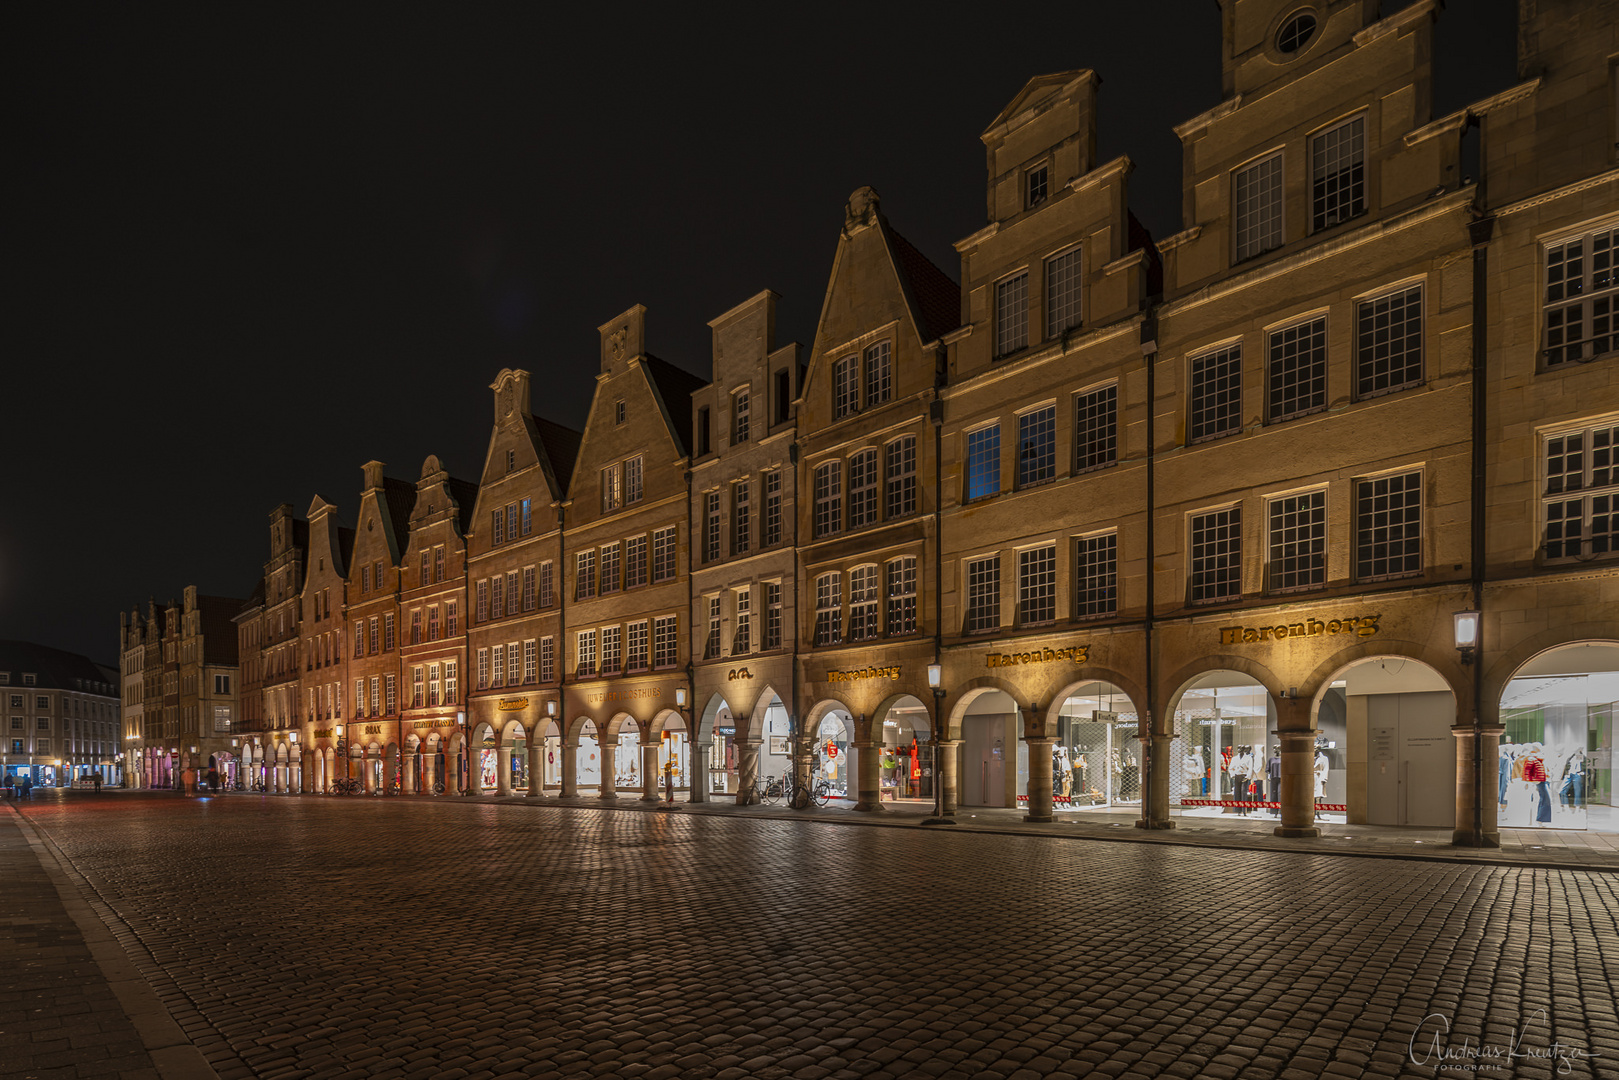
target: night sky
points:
(247, 254)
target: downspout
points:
(691, 609)
(559, 582)
(794, 718)
(1479, 232)
(1149, 356)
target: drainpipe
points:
(794, 718)
(559, 582)
(1479, 233)
(1149, 356)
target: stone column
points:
(570, 768)
(868, 774)
(697, 770)
(1039, 777)
(503, 768)
(1160, 774)
(1489, 798)
(747, 771)
(408, 782)
(608, 791)
(950, 754)
(1298, 768)
(651, 775)
(536, 766)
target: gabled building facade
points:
(323, 616)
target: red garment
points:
(1534, 769)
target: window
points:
(1096, 582)
(665, 641)
(359, 697)
(1037, 585)
(451, 623)
(452, 682)
(610, 568)
(1297, 380)
(1037, 446)
(438, 563)
(983, 595)
(387, 633)
(512, 595)
(1295, 33)
(42, 746)
(527, 514)
(497, 525)
(1580, 288)
(44, 722)
(434, 686)
(829, 609)
(663, 555)
(784, 396)
(845, 387)
(1217, 556)
(902, 596)
(548, 659)
(391, 693)
(497, 597)
(1257, 203)
(771, 531)
(983, 462)
(376, 573)
(483, 601)
(742, 640)
(1338, 174)
(612, 650)
(375, 694)
(618, 412)
(425, 577)
(511, 460)
(586, 654)
(416, 697)
(632, 481)
(1297, 557)
(739, 417)
(711, 526)
(1388, 343)
(547, 586)
(741, 518)
(863, 598)
(1216, 407)
(1063, 273)
(1388, 527)
(483, 669)
(612, 481)
(711, 644)
(416, 626)
(634, 562)
(879, 380)
(528, 588)
(497, 675)
(900, 465)
(432, 623)
(1582, 489)
(1012, 314)
(828, 499)
(359, 637)
(365, 578)
(863, 489)
(584, 576)
(635, 654)
(772, 615)
(1034, 185)
(1096, 429)
(703, 442)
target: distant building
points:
(61, 712)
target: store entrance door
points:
(1411, 754)
(983, 782)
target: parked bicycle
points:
(351, 786)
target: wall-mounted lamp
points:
(551, 707)
(680, 697)
(1467, 632)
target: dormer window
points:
(1034, 186)
(1257, 206)
(1296, 33)
(511, 460)
(618, 412)
(1338, 174)
(739, 417)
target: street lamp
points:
(936, 683)
(466, 754)
(342, 750)
(1467, 630)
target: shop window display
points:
(1226, 761)
(588, 758)
(1096, 761)
(1555, 765)
(488, 762)
(627, 760)
(905, 768)
(675, 749)
(833, 753)
(726, 760)
(551, 760)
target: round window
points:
(1295, 33)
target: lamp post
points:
(936, 683)
(343, 752)
(1466, 628)
(466, 754)
(669, 762)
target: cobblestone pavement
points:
(317, 937)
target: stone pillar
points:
(1039, 777)
(570, 768)
(1298, 768)
(503, 768)
(697, 769)
(1160, 773)
(950, 754)
(1489, 798)
(408, 783)
(747, 771)
(608, 791)
(536, 766)
(868, 774)
(651, 775)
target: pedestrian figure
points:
(213, 780)
(95, 778)
(28, 788)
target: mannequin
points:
(1241, 766)
(1534, 774)
(1273, 773)
(1322, 767)
(1062, 777)
(1504, 769)
(1192, 771)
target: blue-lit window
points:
(983, 462)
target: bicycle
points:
(823, 792)
(351, 786)
(438, 787)
(770, 790)
(237, 785)
(258, 785)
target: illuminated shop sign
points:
(738, 673)
(512, 704)
(625, 695)
(859, 674)
(1359, 625)
(1077, 654)
(323, 733)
